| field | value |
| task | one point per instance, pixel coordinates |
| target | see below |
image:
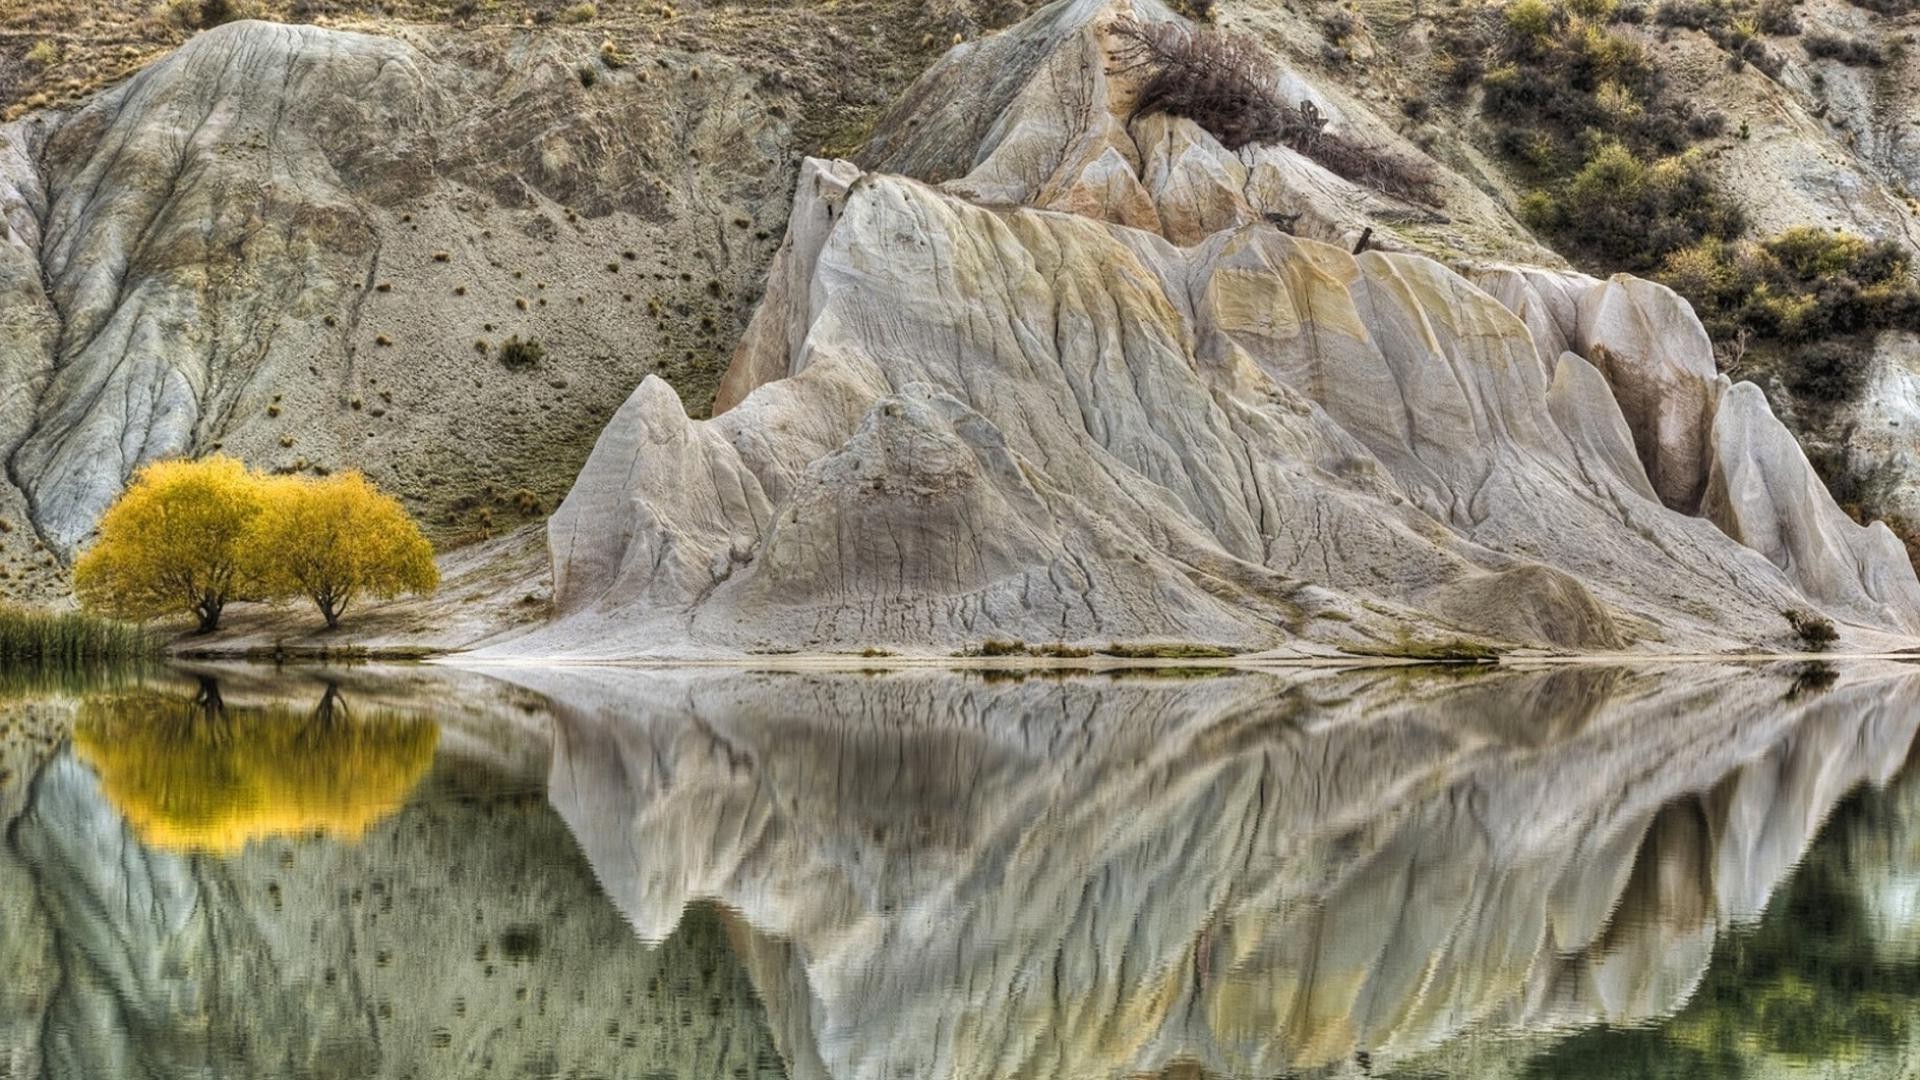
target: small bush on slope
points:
(1850, 51)
(1816, 633)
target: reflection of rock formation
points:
(463, 935)
(951, 877)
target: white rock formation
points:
(1084, 392)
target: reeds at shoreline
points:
(30, 637)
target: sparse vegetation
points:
(1846, 50)
(1816, 633)
(1586, 119)
(1620, 210)
(203, 14)
(520, 355)
(1167, 651)
(1225, 83)
(999, 647)
(1736, 26)
(1814, 296)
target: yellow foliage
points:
(1529, 18)
(193, 777)
(194, 535)
(336, 539)
(175, 541)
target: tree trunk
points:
(209, 612)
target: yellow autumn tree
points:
(336, 539)
(177, 540)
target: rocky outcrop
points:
(1256, 874)
(980, 410)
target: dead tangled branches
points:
(1223, 82)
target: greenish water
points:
(1594, 871)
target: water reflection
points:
(193, 774)
(1578, 871)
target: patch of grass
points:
(1059, 650)
(1435, 650)
(1167, 651)
(67, 638)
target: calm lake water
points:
(1596, 871)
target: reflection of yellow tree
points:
(193, 775)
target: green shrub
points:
(1803, 285)
(1827, 372)
(1623, 212)
(1587, 120)
(520, 355)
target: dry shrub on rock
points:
(1224, 82)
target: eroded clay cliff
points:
(1089, 391)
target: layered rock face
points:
(1088, 392)
(948, 876)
